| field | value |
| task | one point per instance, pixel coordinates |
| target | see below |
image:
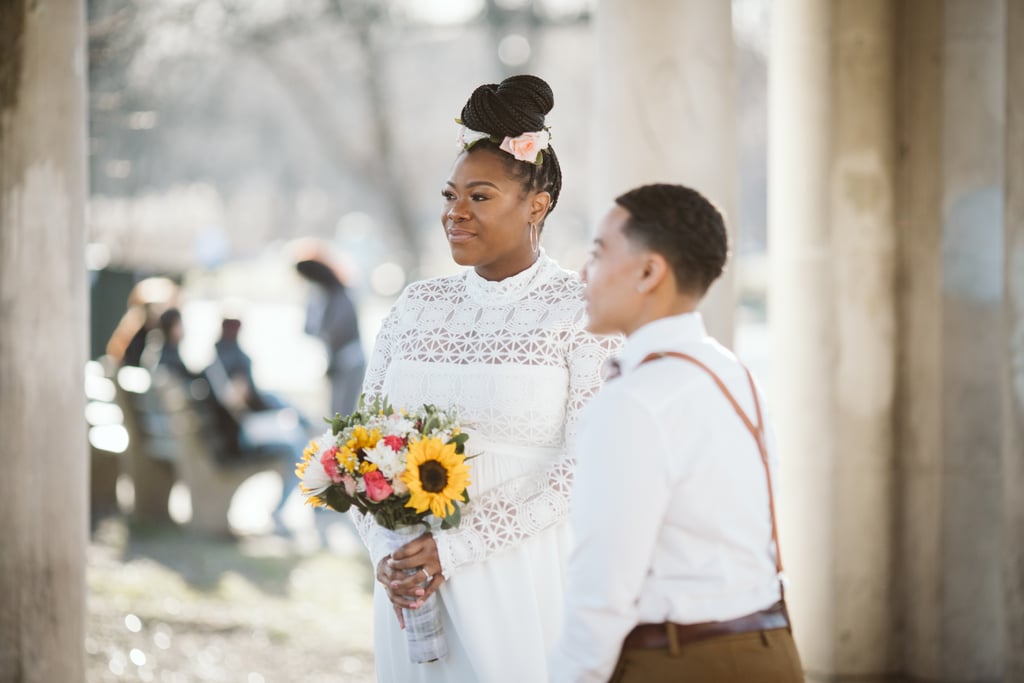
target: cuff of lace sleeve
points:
(445, 543)
(458, 547)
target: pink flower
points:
(377, 487)
(527, 146)
(394, 442)
(329, 461)
(350, 484)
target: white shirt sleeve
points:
(619, 499)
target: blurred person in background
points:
(237, 365)
(172, 331)
(503, 343)
(146, 301)
(258, 420)
(331, 316)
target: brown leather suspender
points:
(757, 431)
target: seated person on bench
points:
(249, 422)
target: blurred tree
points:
(208, 90)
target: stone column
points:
(862, 178)
(919, 413)
(1013, 340)
(43, 343)
(665, 112)
(800, 314)
(970, 553)
(951, 461)
(832, 315)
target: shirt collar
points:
(663, 334)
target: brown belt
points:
(657, 636)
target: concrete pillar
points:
(800, 315)
(1013, 342)
(665, 112)
(919, 571)
(43, 450)
(832, 314)
(951, 459)
(970, 553)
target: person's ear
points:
(654, 270)
(539, 204)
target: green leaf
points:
(431, 424)
(337, 499)
(460, 442)
(452, 520)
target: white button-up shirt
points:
(669, 511)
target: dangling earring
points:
(534, 238)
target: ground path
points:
(166, 606)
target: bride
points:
(504, 343)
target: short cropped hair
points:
(684, 227)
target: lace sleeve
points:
(373, 386)
(520, 508)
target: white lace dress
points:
(513, 357)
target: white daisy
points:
(315, 478)
(397, 425)
(390, 463)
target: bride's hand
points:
(386, 574)
(410, 590)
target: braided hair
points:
(515, 106)
(683, 226)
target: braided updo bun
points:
(515, 106)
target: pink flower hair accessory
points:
(526, 147)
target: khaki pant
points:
(755, 657)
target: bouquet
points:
(402, 467)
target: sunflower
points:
(436, 475)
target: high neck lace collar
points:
(496, 292)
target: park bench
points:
(212, 468)
(152, 446)
(107, 439)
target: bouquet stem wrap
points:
(424, 630)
